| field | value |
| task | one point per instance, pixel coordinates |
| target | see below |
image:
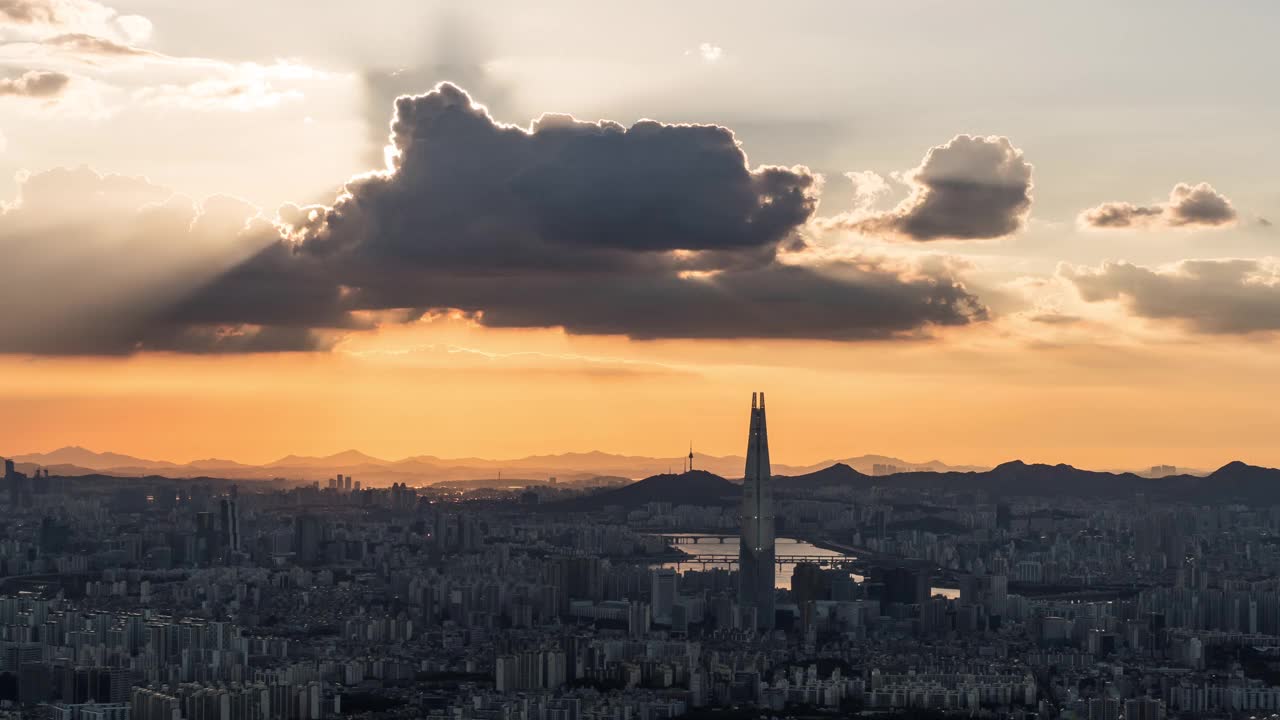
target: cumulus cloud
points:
(971, 188)
(651, 231)
(1231, 296)
(1188, 206)
(34, 84)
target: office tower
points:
(639, 618)
(307, 537)
(904, 585)
(231, 521)
(809, 584)
(664, 594)
(755, 549)
(205, 538)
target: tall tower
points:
(755, 550)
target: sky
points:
(972, 231)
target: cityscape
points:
(975, 594)
(408, 360)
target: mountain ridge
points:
(431, 468)
(1236, 481)
(426, 469)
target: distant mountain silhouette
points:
(696, 487)
(76, 455)
(1234, 481)
(345, 458)
(426, 469)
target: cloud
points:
(28, 11)
(34, 84)
(104, 257)
(868, 189)
(652, 231)
(709, 52)
(242, 92)
(1188, 206)
(37, 19)
(649, 231)
(96, 42)
(562, 194)
(91, 45)
(971, 188)
(1230, 296)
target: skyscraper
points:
(755, 550)
(664, 594)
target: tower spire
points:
(756, 544)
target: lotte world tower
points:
(755, 552)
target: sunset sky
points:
(965, 231)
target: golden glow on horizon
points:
(449, 388)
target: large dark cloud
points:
(651, 231)
(34, 84)
(971, 188)
(1209, 296)
(1189, 206)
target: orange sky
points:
(450, 389)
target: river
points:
(711, 545)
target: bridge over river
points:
(719, 550)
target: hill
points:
(697, 487)
(78, 456)
(427, 469)
(1235, 481)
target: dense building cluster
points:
(150, 599)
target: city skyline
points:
(387, 360)
(924, 249)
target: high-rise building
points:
(231, 521)
(664, 594)
(755, 550)
(308, 533)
